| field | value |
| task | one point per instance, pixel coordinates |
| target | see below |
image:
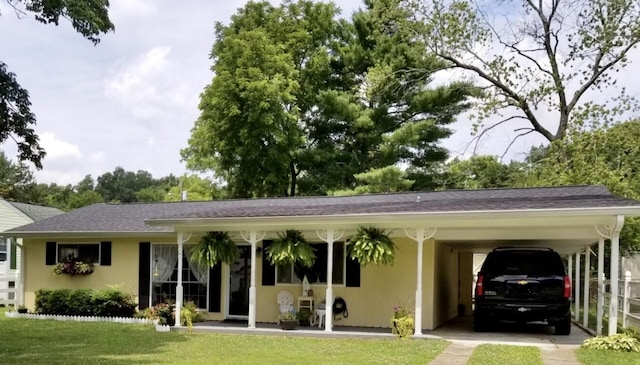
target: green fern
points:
(290, 248)
(372, 246)
(215, 247)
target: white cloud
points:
(132, 8)
(57, 148)
(142, 85)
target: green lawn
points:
(598, 357)
(52, 342)
(503, 355)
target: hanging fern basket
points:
(290, 248)
(372, 245)
(213, 248)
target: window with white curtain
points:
(317, 273)
(164, 276)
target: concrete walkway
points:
(459, 353)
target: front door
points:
(239, 281)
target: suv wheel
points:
(563, 327)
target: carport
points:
(569, 231)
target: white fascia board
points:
(404, 219)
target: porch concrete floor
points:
(458, 330)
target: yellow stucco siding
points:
(371, 304)
(446, 284)
(123, 270)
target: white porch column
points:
(585, 303)
(252, 237)
(577, 288)
(20, 266)
(570, 269)
(600, 306)
(179, 291)
(329, 236)
(419, 235)
(613, 276)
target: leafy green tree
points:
(269, 63)
(477, 172)
(390, 179)
(196, 187)
(17, 121)
(122, 186)
(535, 57)
(82, 199)
(604, 155)
(16, 180)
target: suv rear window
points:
(515, 262)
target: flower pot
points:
(288, 324)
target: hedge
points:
(111, 302)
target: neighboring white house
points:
(14, 215)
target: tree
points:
(547, 57)
(196, 187)
(122, 186)
(380, 116)
(268, 65)
(16, 180)
(477, 172)
(608, 156)
(90, 19)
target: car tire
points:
(563, 327)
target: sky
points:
(132, 100)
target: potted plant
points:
(371, 245)
(290, 248)
(74, 266)
(402, 322)
(304, 316)
(165, 313)
(214, 247)
(288, 320)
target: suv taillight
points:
(479, 286)
(567, 287)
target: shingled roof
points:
(132, 217)
(36, 212)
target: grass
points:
(599, 357)
(52, 342)
(503, 354)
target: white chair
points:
(321, 313)
(285, 300)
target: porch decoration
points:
(288, 320)
(214, 247)
(402, 322)
(290, 248)
(74, 266)
(371, 245)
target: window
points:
(3, 250)
(164, 276)
(318, 272)
(88, 252)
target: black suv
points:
(522, 285)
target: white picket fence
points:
(55, 317)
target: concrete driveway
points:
(532, 334)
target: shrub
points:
(165, 314)
(110, 302)
(113, 302)
(619, 342)
(189, 315)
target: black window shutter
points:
(50, 257)
(215, 286)
(144, 275)
(353, 273)
(268, 270)
(105, 253)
